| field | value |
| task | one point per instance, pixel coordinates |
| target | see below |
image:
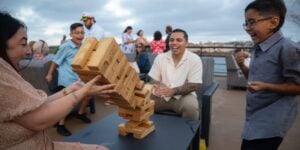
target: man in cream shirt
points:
(176, 75)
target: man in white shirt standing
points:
(177, 74)
(91, 28)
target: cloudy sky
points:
(204, 20)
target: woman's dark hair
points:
(75, 25)
(127, 28)
(139, 32)
(9, 27)
(157, 35)
(268, 8)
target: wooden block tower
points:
(132, 97)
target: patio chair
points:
(235, 77)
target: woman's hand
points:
(92, 89)
(75, 86)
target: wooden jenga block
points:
(132, 96)
(139, 85)
(142, 93)
(137, 114)
(84, 53)
(103, 55)
(142, 129)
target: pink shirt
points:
(158, 47)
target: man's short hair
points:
(75, 25)
(185, 35)
(168, 28)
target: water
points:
(220, 66)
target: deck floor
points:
(228, 112)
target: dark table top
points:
(171, 133)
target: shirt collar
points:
(72, 44)
(271, 41)
(184, 57)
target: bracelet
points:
(75, 99)
(65, 92)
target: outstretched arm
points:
(284, 88)
(52, 111)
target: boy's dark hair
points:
(75, 25)
(9, 27)
(185, 35)
(268, 8)
(157, 35)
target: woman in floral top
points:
(158, 45)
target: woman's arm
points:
(53, 111)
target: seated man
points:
(177, 74)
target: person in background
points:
(177, 74)
(141, 38)
(27, 112)
(168, 32)
(158, 45)
(142, 58)
(66, 76)
(91, 28)
(127, 45)
(273, 77)
(40, 49)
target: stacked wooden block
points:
(132, 97)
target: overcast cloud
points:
(204, 20)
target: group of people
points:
(157, 45)
(273, 87)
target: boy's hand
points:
(240, 58)
(49, 78)
(256, 86)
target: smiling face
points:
(259, 27)
(177, 43)
(88, 23)
(77, 35)
(17, 47)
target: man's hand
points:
(162, 91)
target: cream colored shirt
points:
(189, 69)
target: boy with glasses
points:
(66, 76)
(273, 77)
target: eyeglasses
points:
(251, 22)
(77, 33)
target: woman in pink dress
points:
(158, 45)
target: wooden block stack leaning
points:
(132, 97)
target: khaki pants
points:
(187, 106)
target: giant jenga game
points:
(105, 58)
